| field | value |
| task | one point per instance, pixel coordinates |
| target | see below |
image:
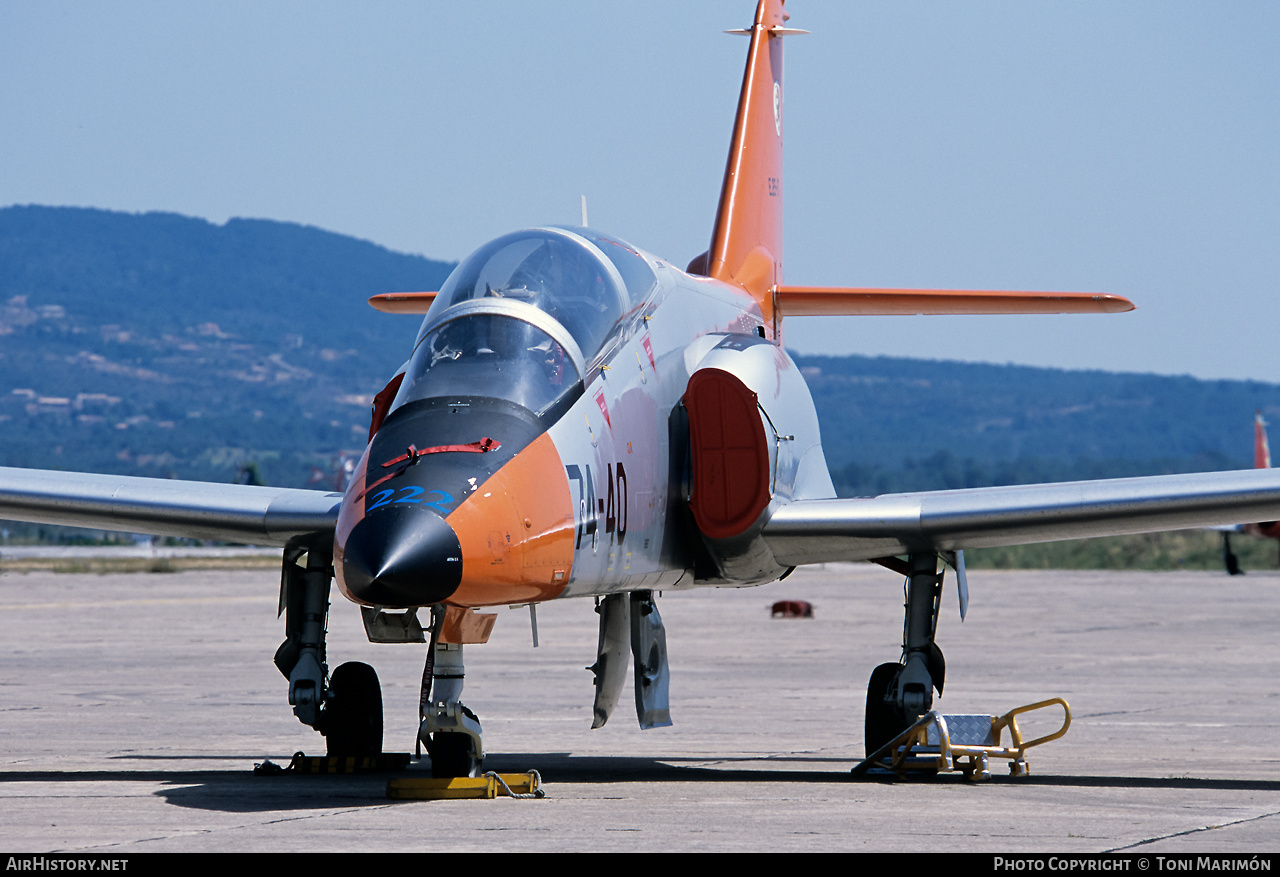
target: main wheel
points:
(353, 716)
(883, 720)
(451, 756)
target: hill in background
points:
(892, 424)
(157, 344)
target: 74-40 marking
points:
(613, 506)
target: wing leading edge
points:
(163, 507)
(830, 530)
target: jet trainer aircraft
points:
(579, 418)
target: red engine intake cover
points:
(730, 454)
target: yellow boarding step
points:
(489, 785)
(965, 743)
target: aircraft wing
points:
(164, 507)
(830, 530)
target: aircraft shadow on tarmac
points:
(238, 790)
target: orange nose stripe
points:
(516, 532)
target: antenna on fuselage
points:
(584, 212)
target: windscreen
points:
(560, 273)
(492, 355)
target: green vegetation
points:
(1178, 549)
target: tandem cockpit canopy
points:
(524, 317)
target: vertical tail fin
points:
(746, 242)
(1261, 452)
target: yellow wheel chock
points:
(966, 743)
(489, 785)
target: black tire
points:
(1233, 565)
(1229, 559)
(451, 756)
(883, 720)
(353, 716)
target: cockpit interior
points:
(526, 316)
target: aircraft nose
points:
(402, 557)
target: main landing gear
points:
(345, 706)
(900, 693)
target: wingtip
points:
(1115, 304)
(402, 302)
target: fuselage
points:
(538, 447)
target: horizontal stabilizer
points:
(830, 530)
(402, 302)
(776, 30)
(165, 507)
(823, 301)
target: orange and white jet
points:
(579, 418)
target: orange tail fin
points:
(746, 242)
(1261, 452)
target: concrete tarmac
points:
(133, 708)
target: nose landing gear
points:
(449, 730)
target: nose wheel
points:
(453, 755)
(450, 731)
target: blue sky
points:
(1094, 146)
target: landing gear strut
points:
(450, 731)
(346, 706)
(900, 693)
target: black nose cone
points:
(402, 556)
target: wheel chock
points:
(301, 763)
(964, 743)
(489, 785)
